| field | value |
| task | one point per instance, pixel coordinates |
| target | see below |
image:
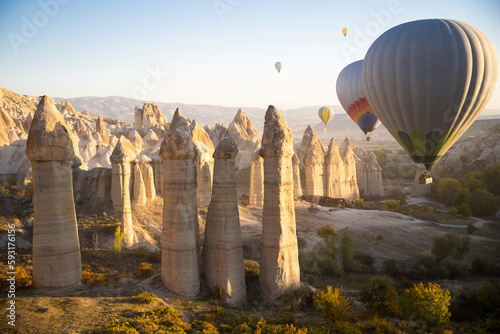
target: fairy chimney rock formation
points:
(307, 137)
(223, 248)
(204, 163)
(180, 266)
(145, 163)
(313, 160)
(139, 187)
(121, 158)
(373, 176)
(136, 140)
(246, 137)
(149, 115)
(69, 108)
(217, 133)
(100, 128)
(297, 187)
(349, 187)
(256, 192)
(279, 263)
(56, 248)
(334, 171)
(150, 140)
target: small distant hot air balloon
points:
(427, 81)
(325, 114)
(278, 66)
(345, 31)
(353, 99)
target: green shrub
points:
(427, 305)
(359, 203)
(464, 210)
(394, 268)
(483, 203)
(426, 266)
(471, 228)
(252, 268)
(326, 232)
(145, 298)
(381, 297)
(483, 266)
(308, 263)
(450, 245)
(453, 212)
(391, 205)
(23, 277)
(366, 262)
(346, 249)
(425, 209)
(401, 199)
(118, 242)
(380, 237)
(446, 189)
(451, 268)
(145, 269)
(333, 306)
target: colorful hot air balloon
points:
(278, 66)
(428, 81)
(345, 31)
(325, 114)
(352, 97)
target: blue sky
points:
(219, 52)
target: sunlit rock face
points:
(334, 171)
(204, 163)
(256, 192)
(180, 263)
(223, 248)
(373, 176)
(313, 160)
(149, 115)
(297, 187)
(56, 248)
(349, 186)
(279, 263)
(246, 137)
(121, 170)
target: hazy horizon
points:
(206, 52)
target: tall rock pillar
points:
(56, 248)
(256, 192)
(297, 188)
(279, 262)
(334, 171)
(121, 159)
(179, 240)
(223, 248)
(313, 159)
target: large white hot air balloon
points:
(427, 81)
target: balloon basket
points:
(368, 138)
(425, 178)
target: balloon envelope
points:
(325, 114)
(278, 66)
(345, 31)
(428, 81)
(352, 97)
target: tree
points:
(381, 157)
(483, 203)
(333, 305)
(446, 189)
(346, 249)
(461, 196)
(452, 245)
(427, 305)
(381, 297)
(491, 177)
(474, 181)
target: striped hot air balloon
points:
(427, 81)
(325, 114)
(352, 97)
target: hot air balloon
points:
(325, 114)
(345, 31)
(427, 81)
(353, 100)
(278, 66)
